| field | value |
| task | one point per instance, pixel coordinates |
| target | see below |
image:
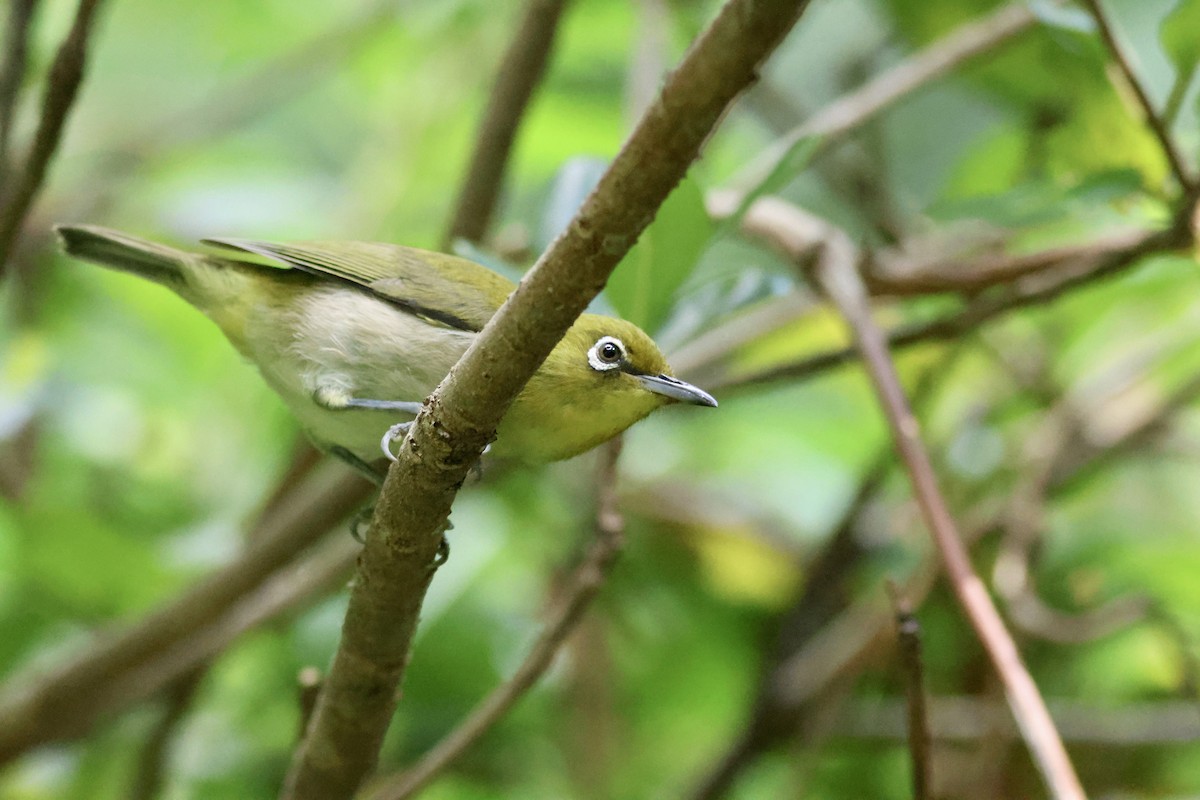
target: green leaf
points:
(1180, 35)
(643, 287)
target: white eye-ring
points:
(607, 353)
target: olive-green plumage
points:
(354, 335)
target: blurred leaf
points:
(572, 184)
(642, 289)
(793, 162)
(1180, 35)
(1068, 18)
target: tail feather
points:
(121, 251)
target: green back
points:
(445, 288)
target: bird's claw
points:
(358, 524)
(397, 431)
(443, 553)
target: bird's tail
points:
(126, 253)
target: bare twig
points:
(826, 645)
(967, 719)
(152, 762)
(1046, 452)
(582, 586)
(1074, 273)
(461, 416)
(519, 74)
(800, 668)
(12, 72)
(64, 701)
(837, 119)
(846, 289)
(1125, 63)
(62, 84)
(908, 634)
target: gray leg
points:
(337, 399)
(403, 406)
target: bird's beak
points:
(676, 390)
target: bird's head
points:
(605, 375)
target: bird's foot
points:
(397, 431)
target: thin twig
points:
(969, 719)
(818, 652)
(846, 289)
(836, 120)
(912, 663)
(1091, 268)
(782, 701)
(580, 589)
(1153, 119)
(462, 414)
(12, 73)
(519, 74)
(62, 84)
(152, 761)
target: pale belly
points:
(352, 343)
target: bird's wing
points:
(440, 287)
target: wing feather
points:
(440, 287)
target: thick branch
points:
(463, 413)
(522, 69)
(583, 585)
(846, 289)
(62, 85)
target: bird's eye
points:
(607, 353)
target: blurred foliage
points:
(135, 444)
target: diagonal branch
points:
(1080, 266)
(1153, 118)
(519, 74)
(462, 414)
(833, 122)
(65, 701)
(582, 586)
(62, 84)
(12, 72)
(846, 289)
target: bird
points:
(352, 335)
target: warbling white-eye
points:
(350, 334)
